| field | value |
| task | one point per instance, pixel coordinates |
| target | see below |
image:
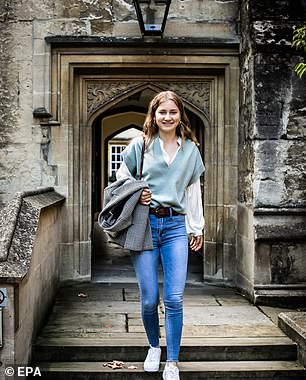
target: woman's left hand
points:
(196, 242)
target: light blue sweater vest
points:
(167, 183)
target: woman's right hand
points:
(146, 197)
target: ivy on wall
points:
(299, 42)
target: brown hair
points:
(150, 129)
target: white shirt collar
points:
(165, 154)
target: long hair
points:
(183, 129)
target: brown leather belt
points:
(162, 212)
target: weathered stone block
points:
(276, 34)
(267, 158)
(101, 27)
(205, 10)
(280, 10)
(9, 112)
(270, 172)
(295, 177)
(280, 263)
(296, 128)
(226, 31)
(22, 161)
(294, 325)
(268, 124)
(43, 28)
(280, 224)
(269, 192)
(273, 73)
(22, 32)
(84, 9)
(123, 10)
(28, 10)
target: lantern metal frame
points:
(151, 29)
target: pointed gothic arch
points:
(104, 95)
(200, 97)
(115, 120)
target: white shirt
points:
(194, 217)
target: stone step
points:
(188, 370)
(192, 349)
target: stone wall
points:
(37, 291)
(29, 271)
(280, 108)
(272, 139)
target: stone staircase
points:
(224, 337)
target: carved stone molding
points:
(101, 93)
(196, 93)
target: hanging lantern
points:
(152, 16)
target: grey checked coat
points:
(125, 221)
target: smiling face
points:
(167, 117)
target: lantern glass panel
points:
(153, 14)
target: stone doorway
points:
(88, 84)
(112, 131)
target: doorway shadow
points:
(112, 264)
(111, 128)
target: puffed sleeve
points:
(194, 218)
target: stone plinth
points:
(294, 325)
(29, 270)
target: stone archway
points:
(105, 257)
(197, 98)
(89, 85)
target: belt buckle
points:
(156, 211)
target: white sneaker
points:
(152, 361)
(171, 372)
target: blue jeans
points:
(170, 243)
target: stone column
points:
(272, 166)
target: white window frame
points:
(115, 149)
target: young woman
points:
(172, 167)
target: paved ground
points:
(113, 303)
(101, 310)
(109, 307)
